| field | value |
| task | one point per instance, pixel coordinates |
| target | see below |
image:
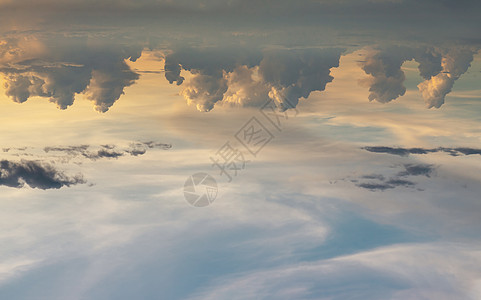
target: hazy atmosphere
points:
(161, 149)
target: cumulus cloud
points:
(59, 70)
(106, 86)
(245, 87)
(34, 174)
(295, 74)
(386, 81)
(454, 64)
(251, 78)
(387, 78)
(210, 67)
(204, 91)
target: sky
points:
(240, 149)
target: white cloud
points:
(454, 64)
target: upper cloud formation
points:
(454, 64)
(58, 69)
(439, 67)
(250, 78)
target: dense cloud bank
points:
(59, 68)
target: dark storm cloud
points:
(34, 174)
(250, 78)
(407, 151)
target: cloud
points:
(250, 78)
(107, 151)
(380, 182)
(407, 151)
(106, 86)
(417, 170)
(400, 182)
(387, 78)
(40, 174)
(61, 68)
(389, 150)
(210, 67)
(376, 186)
(204, 91)
(454, 64)
(385, 184)
(72, 150)
(103, 153)
(400, 271)
(34, 174)
(386, 82)
(295, 74)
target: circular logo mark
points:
(200, 189)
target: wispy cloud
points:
(39, 170)
(407, 151)
(380, 182)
